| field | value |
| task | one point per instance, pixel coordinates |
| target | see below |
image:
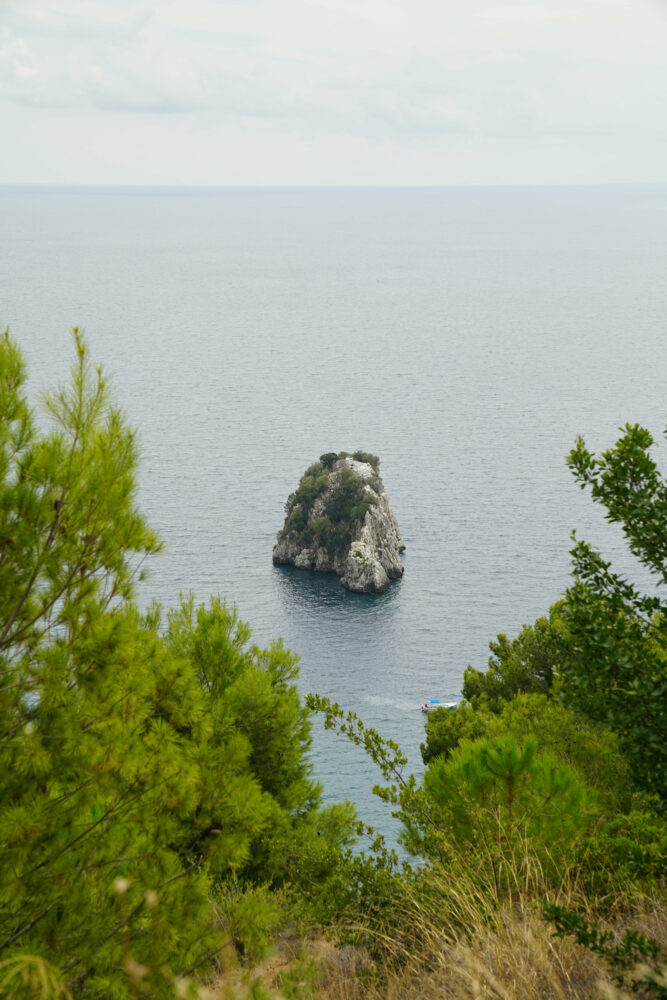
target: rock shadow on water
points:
(321, 593)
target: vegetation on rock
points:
(343, 510)
(339, 520)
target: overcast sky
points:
(333, 91)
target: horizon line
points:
(319, 187)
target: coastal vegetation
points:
(161, 832)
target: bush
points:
(313, 483)
(297, 520)
(528, 663)
(628, 850)
(348, 501)
(636, 962)
(447, 727)
(496, 800)
(581, 743)
(364, 456)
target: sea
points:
(464, 335)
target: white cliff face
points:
(371, 559)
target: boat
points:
(434, 703)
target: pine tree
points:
(253, 704)
(101, 722)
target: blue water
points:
(466, 336)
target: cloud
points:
(230, 74)
(390, 71)
(75, 20)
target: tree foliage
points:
(143, 765)
(446, 728)
(489, 806)
(498, 798)
(93, 710)
(529, 662)
(584, 744)
(71, 537)
(616, 665)
(251, 697)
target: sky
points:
(333, 92)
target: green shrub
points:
(297, 520)
(629, 849)
(528, 663)
(364, 456)
(348, 501)
(581, 743)
(447, 727)
(636, 962)
(495, 799)
(313, 484)
(345, 507)
(616, 664)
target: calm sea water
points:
(466, 336)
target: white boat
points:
(434, 703)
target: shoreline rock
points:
(339, 520)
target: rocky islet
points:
(339, 520)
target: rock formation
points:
(339, 520)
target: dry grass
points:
(459, 942)
(513, 956)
